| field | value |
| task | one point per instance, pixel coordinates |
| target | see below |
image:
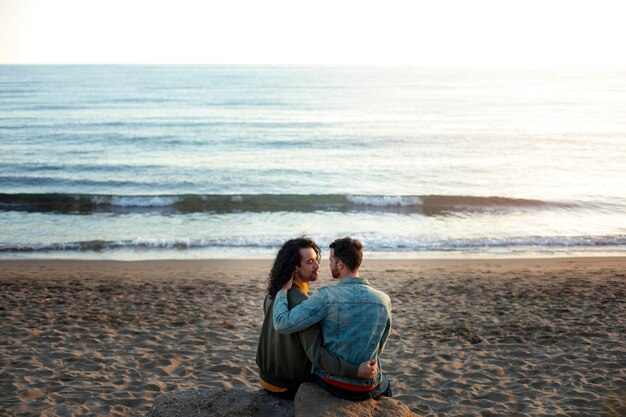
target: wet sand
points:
(519, 337)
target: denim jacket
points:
(355, 320)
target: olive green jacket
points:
(285, 360)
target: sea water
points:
(161, 162)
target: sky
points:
(528, 34)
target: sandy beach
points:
(518, 337)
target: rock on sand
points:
(310, 401)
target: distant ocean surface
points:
(165, 162)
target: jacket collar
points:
(353, 280)
(304, 287)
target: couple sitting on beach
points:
(334, 337)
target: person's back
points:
(356, 324)
(282, 360)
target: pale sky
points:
(544, 34)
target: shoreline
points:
(198, 268)
(524, 337)
(471, 259)
(269, 255)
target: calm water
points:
(133, 162)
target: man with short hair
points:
(355, 320)
(285, 360)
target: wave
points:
(380, 244)
(218, 203)
(139, 243)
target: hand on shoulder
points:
(288, 284)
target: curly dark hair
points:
(287, 259)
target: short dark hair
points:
(349, 251)
(287, 259)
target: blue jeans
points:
(382, 389)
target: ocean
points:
(188, 162)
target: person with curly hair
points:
(355, 320)
(285, 361)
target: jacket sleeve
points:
(300, 317)
(385, 336)
(311, 341)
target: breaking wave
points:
(190, 203)
(376, 244)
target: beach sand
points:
(519, 337)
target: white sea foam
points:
(189, 243)
(373, 244)
(137, 201)
(386, 243)
(385, 200)
(162, 243)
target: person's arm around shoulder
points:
(301, 316)
(311, 341)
